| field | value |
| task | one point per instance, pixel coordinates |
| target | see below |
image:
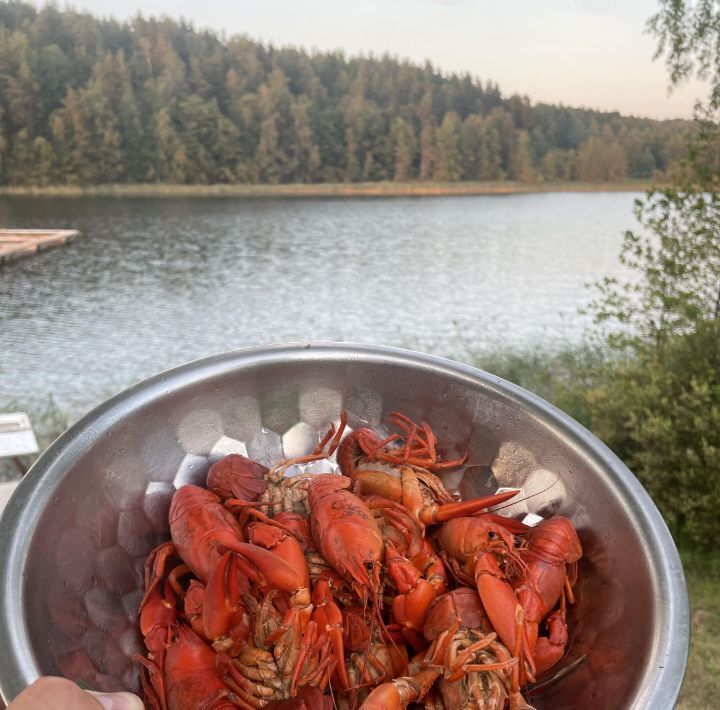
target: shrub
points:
(660, 412)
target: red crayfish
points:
(372, 588)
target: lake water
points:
(152, 283)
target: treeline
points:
(86, 101)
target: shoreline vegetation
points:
(93, 101)
(333, 189)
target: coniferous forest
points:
(87, 101)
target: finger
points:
(118, 701)
(51, 693)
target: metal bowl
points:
(76, 532)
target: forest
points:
(86, 101)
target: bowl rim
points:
(18, 666)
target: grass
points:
(365, 189)
(701, 688)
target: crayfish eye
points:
(492, 535)
(517, 542)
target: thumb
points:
(118, 701)
(63, 694)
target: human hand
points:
(50, 693)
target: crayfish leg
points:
(153, 684)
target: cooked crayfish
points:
(242, 482)
(402, 468)
(377, 587)
(527, 579)
(479, 671)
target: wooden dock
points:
(17, 243)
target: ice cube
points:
(532, 520)
(509, 508)
(513, 464)
(545, 492)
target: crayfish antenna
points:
(517, 651)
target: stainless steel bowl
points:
(76, 532)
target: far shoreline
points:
(367, 189)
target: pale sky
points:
(584, 53)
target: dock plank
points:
(18, 243)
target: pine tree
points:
(102, 101)
(404, 148)
(305, 155)
(471, 143)
(171, 163)
(447, 161)
(353, 132)
(521, 167)
(427, 135)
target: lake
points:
(152, 283)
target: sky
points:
(584, 53)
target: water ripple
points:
(153, 283)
